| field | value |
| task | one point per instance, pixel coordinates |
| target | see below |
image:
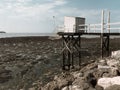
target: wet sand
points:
(27, 62)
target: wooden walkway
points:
(70, 33)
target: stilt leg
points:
(79, 51)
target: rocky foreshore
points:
(103, 74)
(27, 61)
(34, 63)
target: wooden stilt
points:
(106, 45)
(71, 44)
(79, 51)
(72, 56)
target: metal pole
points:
(89, 28)
(54, 23)
(108, 21)
(72, 56)
(102, 31)
(69, 58)
(108, 37)
(63, 64)
(102, 22)
(108, 45)
(79, 38)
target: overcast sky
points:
(37, 15)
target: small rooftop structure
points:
(71, 24)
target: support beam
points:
(108, 22)
(71, 45)
(106, 45)
(102, 31)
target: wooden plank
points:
(76, 34)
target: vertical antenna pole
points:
(108, 37)
(102, 22)
(108, 22)
(102, 31)
(94, 28)
(88, 28)
(54, 23)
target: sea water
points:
(5, 35)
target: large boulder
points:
(72, 87)
(64, 80)
(107, 82)
(113, 62)
(97, 87)
(51, 86)
(82, 86)
(113, 87)
(59, 82)
(116, 54)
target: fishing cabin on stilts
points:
(74, 28)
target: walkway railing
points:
(107, 27)
(96, 28)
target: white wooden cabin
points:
(71, 24)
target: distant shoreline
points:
(2, 32)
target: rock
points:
(60, 82)
(86, 86)
(38, 57)
(116, 80)
(102, 62)
(29, 88)
(34, 62)
(51, 86)
(97, 87)
(78, 87)
(91, 88)
(113, 62)
(24, 71)
(74, 87)
(103, 67)
(116, 54)
(108, 71)
(104, 82)
(89, 67)
(64, 80)
(113, 87)
(114, 71)
(90, 78)
(98, 74)
(107, 82)
(32, 88)
(21, 89)
(103, 71)
(106, 75)
(55, 50)
(77, 74)
(81, 83)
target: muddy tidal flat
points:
(32, 62)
